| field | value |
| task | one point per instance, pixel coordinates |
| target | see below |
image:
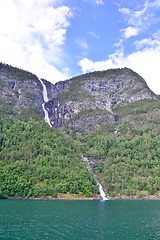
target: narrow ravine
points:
(100, 187)
(45, 98)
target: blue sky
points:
(57, 39)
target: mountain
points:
(85, 102)
(111, 118)
(94, 99)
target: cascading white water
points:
(100, 187)
(46, 117)
(45, 98)
(45, 95)
(102, 193)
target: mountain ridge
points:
(71, 102)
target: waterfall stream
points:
(45, 98)
(100, 187)
(102, 193)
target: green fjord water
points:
(79, 220)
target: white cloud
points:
(135, 21)
(130, 32)
(32, 34)
(88, 65)
(94, 34)
(155, 3)
(143, 18)
(82, 43)
(99, 2)
(145, 63)
(125, 11)
(153, 41)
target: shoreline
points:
(70, 198)
(59, 197)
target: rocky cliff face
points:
(20, 91)
(90, 100)
(85, 102)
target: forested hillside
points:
(127, 161)
(37, 161)
(111, 118)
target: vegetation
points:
(75, 92)
(106, 74)
(13, 72)
(138, 107)
(37, 161)
(127, 161)
(89, 113)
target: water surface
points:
(79, 220)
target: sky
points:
(59, 39)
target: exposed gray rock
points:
(89, 100)
(85, 102)
(19, 91)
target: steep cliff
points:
(21, 92)
(85, 102)
(91, 100)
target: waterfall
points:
(102, 193)
(45, 98)
(100, 187)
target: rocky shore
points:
(74, 197)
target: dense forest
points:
(127, 160)
(37, 161)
